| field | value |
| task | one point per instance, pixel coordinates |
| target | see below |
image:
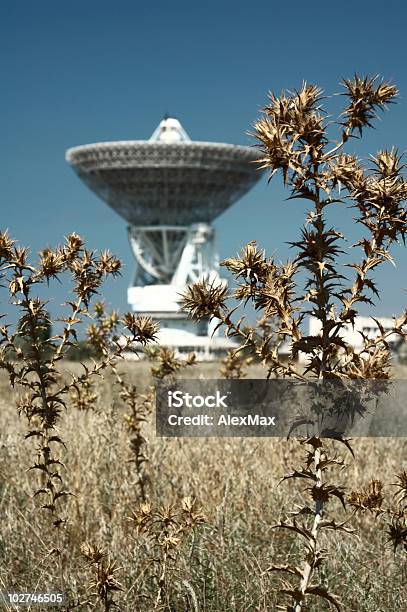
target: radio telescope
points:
(169, 189)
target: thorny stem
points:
(312, 555)
(45, 449)
(323, 307)
(37, 357)
(345, 137)
(286, 370)
(161, 581)
(139, 457)
(67, 330)
(359, 285)
(323, 298)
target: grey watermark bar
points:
(281, 408)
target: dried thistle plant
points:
(84, 396)
(233, 365)
(166, 529)
(295, 137)
(104, 330)
(165, 363)
(103, 334)
(104, 583)
(35, 373)
(139, 411)
(165, 366)
(393, 514)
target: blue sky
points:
(78, 72)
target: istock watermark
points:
(280, 408)
(178, 399)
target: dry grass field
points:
(222, 564)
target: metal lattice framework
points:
(159, 183)
(175, 255)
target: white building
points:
(363, 326)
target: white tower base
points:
(169, 259)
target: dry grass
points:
(223, 564)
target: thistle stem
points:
(312, 556)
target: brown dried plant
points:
(84, 397)
(102, 334)
(233, 365)
(103, 584)
(166, 529)
(35, 373)
(166, 365)
(296, 137)
(393, 514)
(140, 407)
